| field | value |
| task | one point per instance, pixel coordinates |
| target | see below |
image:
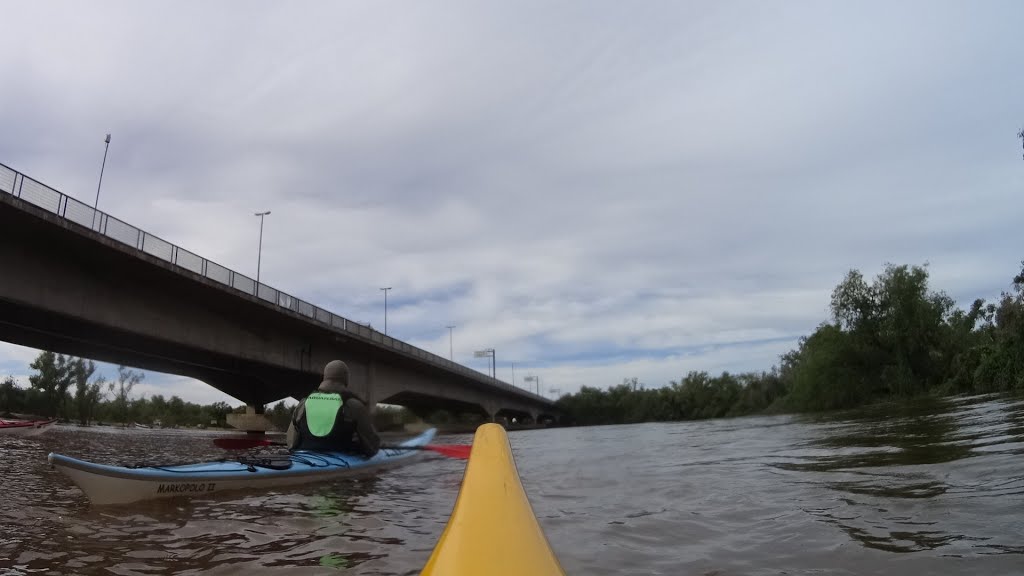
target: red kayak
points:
(24, 427)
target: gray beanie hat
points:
(335, 375)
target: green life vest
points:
(321, 411)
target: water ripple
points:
(932, 486)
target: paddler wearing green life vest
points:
(333, 419)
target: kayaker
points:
(333, 419)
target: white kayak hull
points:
(120, 485)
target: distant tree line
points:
(892, 338)
(64, 387)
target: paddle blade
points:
(243, 443)
(451, 450)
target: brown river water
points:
(933, 487)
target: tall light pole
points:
(451, 346)
(386, 309)
(485, 353)
(96, 204)
(259, 252)
(513, 373)
(534, 379)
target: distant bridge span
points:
(81, 282)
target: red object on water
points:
(24, 423)
(451, 450)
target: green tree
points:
(1001, 365)
(280, 415)
(12, 397)
(890, 338)
(52, 380)
(758, 392)
(828, 371)
(122, 390)
(219, 411)
(87, 395)
(159, 407)
(176, 411)
(968, 337)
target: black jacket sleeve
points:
(366, 435)
(294, 436)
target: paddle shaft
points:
(243, 443)
(450, 450)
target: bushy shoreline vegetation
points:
(64, 387)
(892, 338)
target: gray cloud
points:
(660, 184)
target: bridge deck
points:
(34, 198)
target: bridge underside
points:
(70, 290)
(423, 405)
(249, 382)
(253, 383)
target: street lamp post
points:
(451, 346)
(534, 379)
(96, 204)
(485, 353)
(385, 290)
(259, 251)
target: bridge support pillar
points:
(491, 408)
(371, 386)
(253, 421)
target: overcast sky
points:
(597, 190)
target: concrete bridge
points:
(81, 282)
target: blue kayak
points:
(105, 484)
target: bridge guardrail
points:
(34, 192)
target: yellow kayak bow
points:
(492, 529)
